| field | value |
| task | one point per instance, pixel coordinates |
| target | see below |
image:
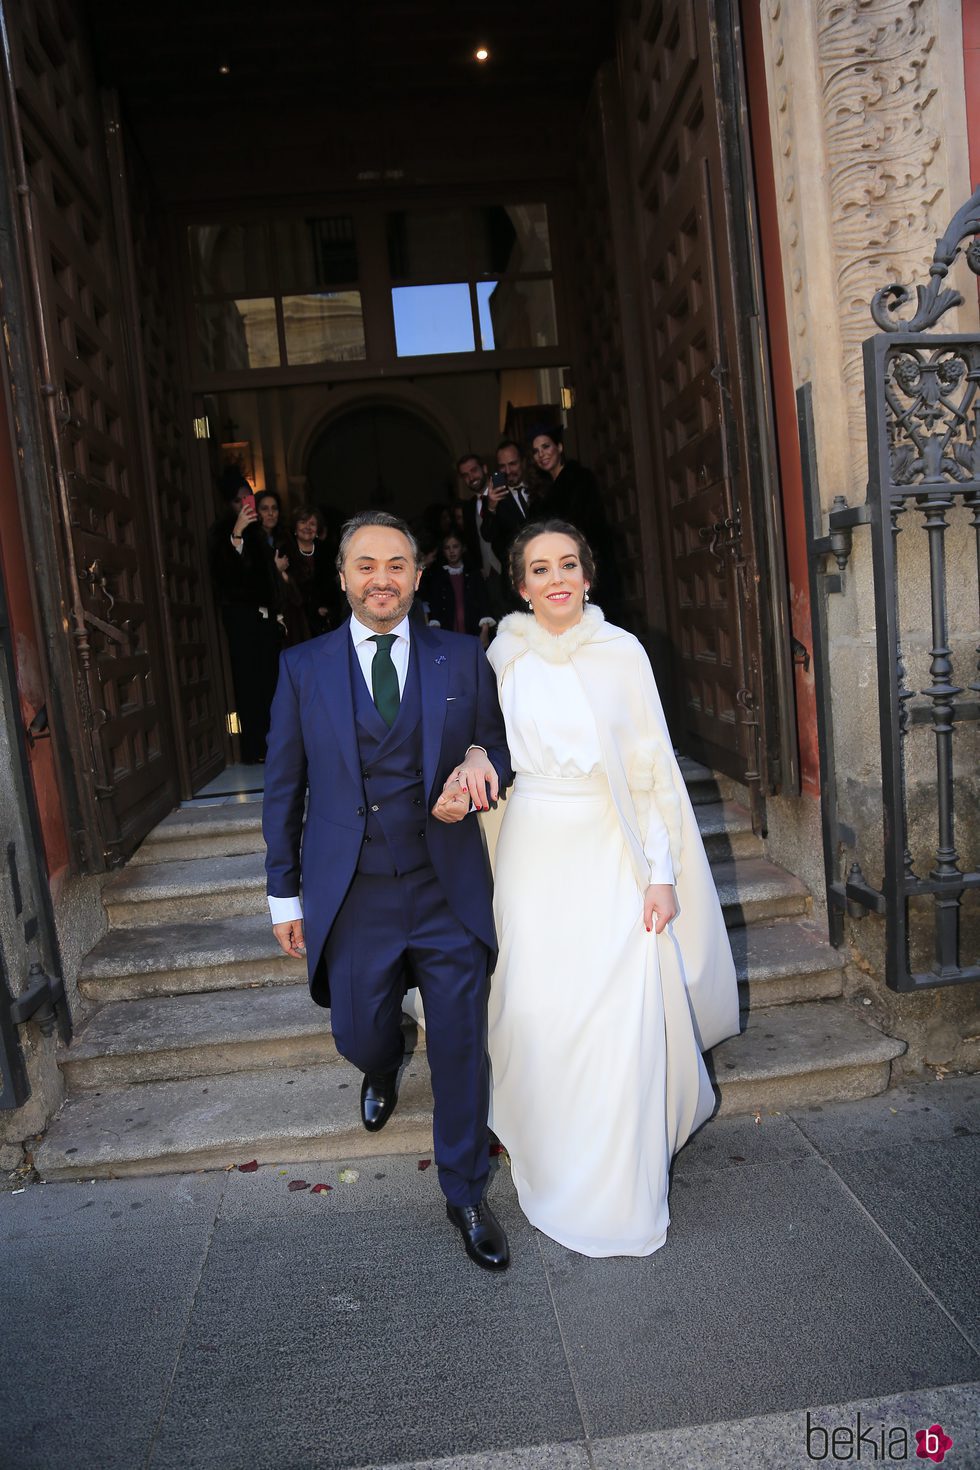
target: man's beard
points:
(380, 621)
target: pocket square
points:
(440, 658)
(450, 698)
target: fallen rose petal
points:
(424, 1164)
(248, 1168)
(348, 1176)
(495, 1149)
(297, 1184)
(321, 1189)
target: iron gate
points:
(923, 418)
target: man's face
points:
(511, 461)
(380, 577)
(473, 476)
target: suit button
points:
(416, 801)
(422, 833)
(360, 811)
(365, 775)
(375, 808)
(367, 837)
(418, 773)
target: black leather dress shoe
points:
(379, 1093)
(483, 1235)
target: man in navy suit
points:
(386, 723)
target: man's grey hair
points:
(373, 518)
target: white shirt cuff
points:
(285, 909)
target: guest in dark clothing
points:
(246, 585)
(508, 507)
(568, 491)
(313, 590)
(455, 596)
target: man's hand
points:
(660, 900)
(495, 495)
(453, 804)
(476, 776)
(290, 936)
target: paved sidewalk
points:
(822, 1261)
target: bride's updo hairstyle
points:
(518, 550)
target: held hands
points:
(660, 902)
(290, 936)
(473, 780)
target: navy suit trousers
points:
(384, 925)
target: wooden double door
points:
(715, 526)
(143, 715)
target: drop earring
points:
(586, 594)
(529, 604)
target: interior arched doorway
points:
(378, 455)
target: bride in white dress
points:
(614, 971)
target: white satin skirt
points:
(597, 1075)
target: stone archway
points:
(388, 450)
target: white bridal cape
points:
(596, 1027)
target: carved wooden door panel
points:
(191, 634)
(108, 562)
(671, 93)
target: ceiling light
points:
(482, 54)
(224, 70)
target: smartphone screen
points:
(249, 500)
(498, 479)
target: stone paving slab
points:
(93, 1319)
(774, 1290)
(340, 1339)
(349, 1329)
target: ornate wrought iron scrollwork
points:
(934, 299)
(923, 416)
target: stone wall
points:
(868, 121)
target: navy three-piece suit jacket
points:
(313, 743)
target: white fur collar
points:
(556, 649)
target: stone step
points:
(155, 1037)
(131, 1041)
(789, 1056)
(726, 831)
(705, 785)
(181, 958)
(225, 831)
(752, 890)
(785, 961)
(293, 1115)
(797, 1056)
(207, 831)
(195, 888)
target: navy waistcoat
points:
(391, 766)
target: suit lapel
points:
(337, 696)
(433, 683)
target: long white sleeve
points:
(656, 845)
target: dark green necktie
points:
(384, 679)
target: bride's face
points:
(554, 582)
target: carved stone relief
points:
(861, 108)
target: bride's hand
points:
(660, 900)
